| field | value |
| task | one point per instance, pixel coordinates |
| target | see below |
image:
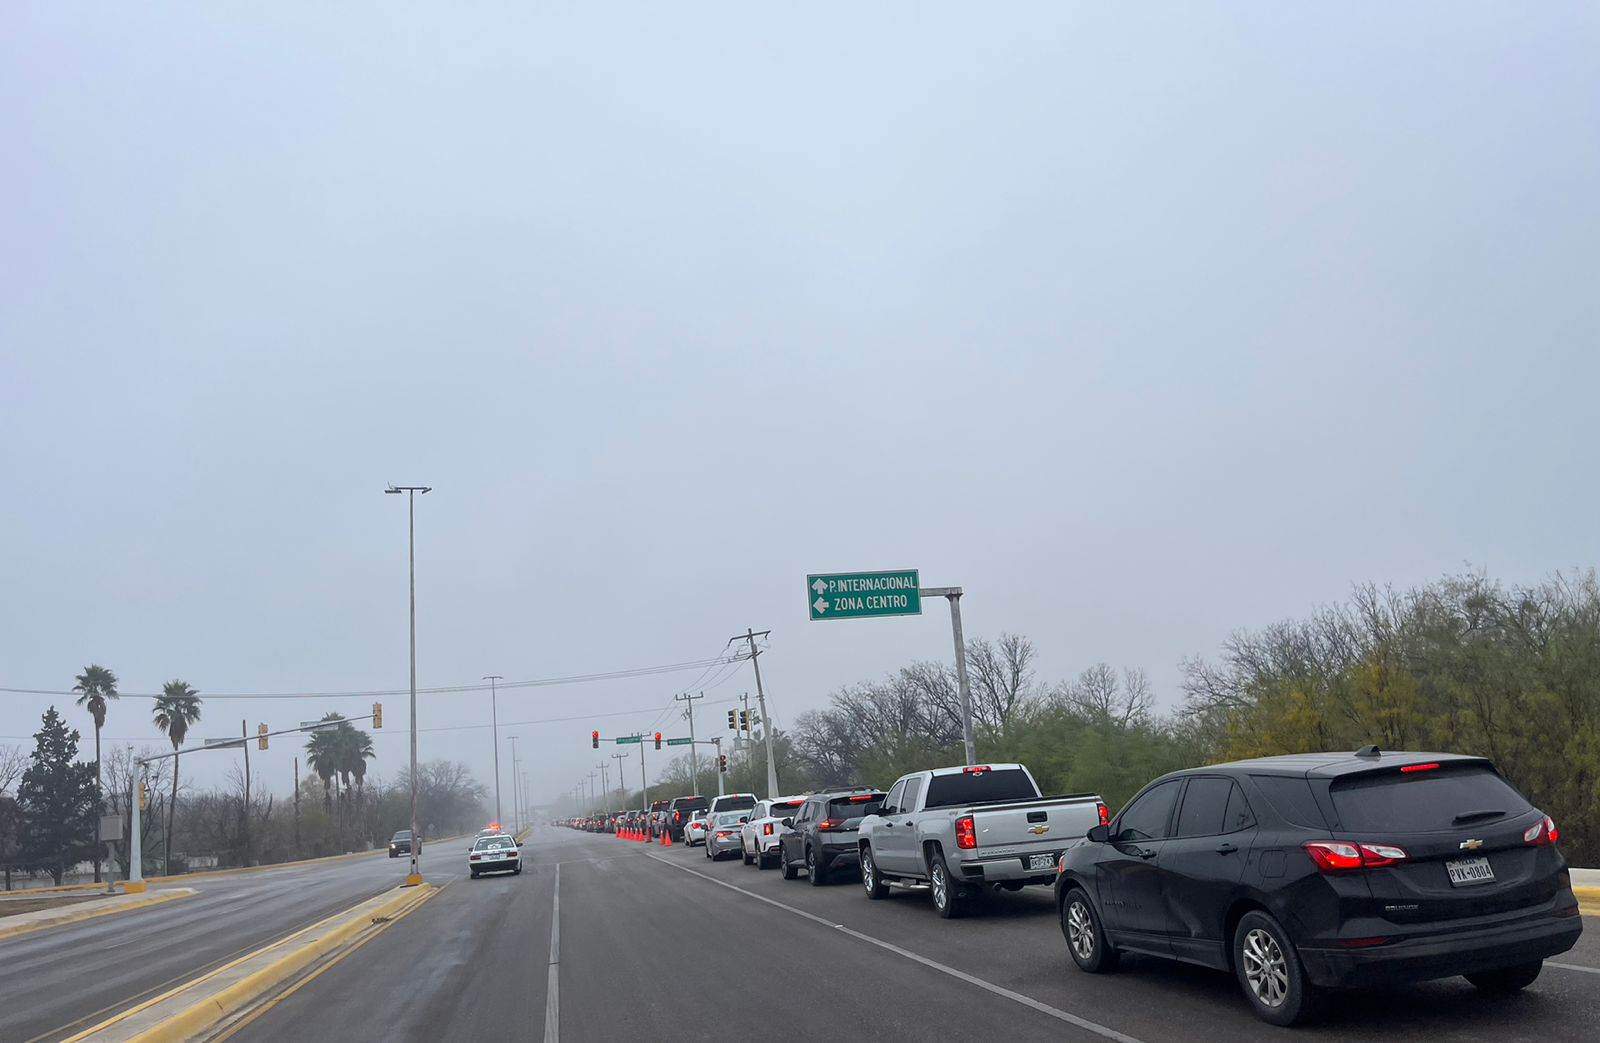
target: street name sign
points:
(679, 742)
(864, 595)
(222, 744)
(627, 738)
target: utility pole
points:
(592, 800)
(622, 791)
(516, 812)
(718, 743)
(415, 876)
(297, 851)
(605, 786)
(644, 781)
(761, 696)
(244, 730)
(694, 762)
(494, 724)
(745, 728)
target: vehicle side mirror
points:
(887, 809)
(1098, 834)
(788, 823)
(743, 819)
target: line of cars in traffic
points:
(1299, 874)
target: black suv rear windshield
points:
(1424, 801)
(735, 803)
(690, 804)
(979, 787)
(858, 806)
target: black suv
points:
(680, 812)
(824, 831)
(1323, 870)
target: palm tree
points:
(96, 684)
(177, 707)
(358, 749)
(322, 757)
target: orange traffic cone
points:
(666, 839)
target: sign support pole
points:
(953, 595)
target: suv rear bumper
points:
(1442, 956)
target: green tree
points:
(57, 800)
(176, 708)
(96, 685)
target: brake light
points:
(828, 825)
(975, 769)
(766, 829)
(1105, 814)
(966, 833)
(1409, 768)
(723, 834)
(1343, 856)
(677, 816)
(473, 858)
(1542, 832)
(866, 798)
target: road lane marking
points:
(1572, 967)
(552, 1003)
(988, 986)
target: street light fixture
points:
(494, 723)
(415, 876)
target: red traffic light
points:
(594, 739)
(658, 740)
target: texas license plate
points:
(1470, 871)
(1041, 862)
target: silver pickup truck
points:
(959, 830)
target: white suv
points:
(759, 837)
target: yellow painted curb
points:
(178, 878)
(79, 915)
(1588, 900)
(200, 1016)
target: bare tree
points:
(1002, 678)
(1106, 699)
(13, 762)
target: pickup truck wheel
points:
(874, 885)
(942, 887)
(1086, 942)
(816, 872)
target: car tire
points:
(1506, 980)
(474, 873)
(748, 859)
(788, 867)
(871, 881)
(816, 869)
(942, 887)
(1086, 939)
(518, 870)
(1269, 972)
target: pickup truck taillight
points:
(677, 816)
(966, 833)
(1105, 814)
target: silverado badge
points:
(1038, 831)
(1471, 845)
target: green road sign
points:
(627, 738)
(679, 742)
(858, 595)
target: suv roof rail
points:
(1369, 751)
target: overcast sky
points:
(1141, 324)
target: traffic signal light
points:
(594, 739)
(722, 763)
(377, 715)
(658, 740)
(732, 720)
(744, 720)
(261, 736)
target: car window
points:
(1238, 816)
(1290, 796)
(1205, 803)
(1146, 818)
(980, 787)
(1424, 801)
(494, 844)
(892, 805)
(913, 791)
(857, 805)
(728, 818)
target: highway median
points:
(239, 988)
(111, 905)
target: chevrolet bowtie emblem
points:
(1471, 845)
(1038, 831)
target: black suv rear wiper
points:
(1473, 816)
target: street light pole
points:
(516, 805)
(415, 876)
(761, 695)
(494, 724)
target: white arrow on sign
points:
(820, 587)
(821, 605)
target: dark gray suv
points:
(824, 831)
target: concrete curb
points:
(1588, 900)
(89, 911)
(289, 956)
(206, 874)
